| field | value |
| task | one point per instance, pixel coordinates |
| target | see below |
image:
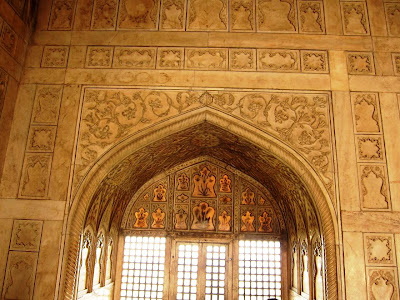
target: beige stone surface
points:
(371, 221)
(32, 209)
(5, 235)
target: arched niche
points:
(131, 163)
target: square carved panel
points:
(55, 56)
(382, 284)
(314, 61)
(360, 63)
(41, 138)
(370, 148)
(242, 59)
(99, 57)
(379, 249)
(26, 235)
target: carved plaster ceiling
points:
(120, 185)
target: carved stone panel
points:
(41, 138)
(314, 61)
(134, 57)
(374, 187)
(104, 14)
(276, 15)
(382, 284)
(206, 59)
(366, 113)
(360, 63)
(47, 105)
(242, 59)
(55, 57)
(20, 275)
(173, 15)
(396, 63)
(393, 18)
(311, 17)
(138, 14)
(242, 15)
(26, 235)
(207, 15)
(370, 148)
(355, 18)
(170, 58)
(62, 14)
(278, 60)
(99, 57)
(83, 15)
(35, 175)
(8, 39)
(379, 249)
(3, 88)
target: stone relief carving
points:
(393, 18)
(207, 15)
(225, 184)
(104, 14)
(276, 15)
(374, 187)
(382, 284)
(366, 113)
(314, 61)
(83, 15)
(242, 59)
(41, 138)
(35, 175)
(203, 216)
(278, 60)
(159, 193)
(396, 63)
(311, 17)
(301, 120)
(140, 14)
(47, 105)
(173, 13)
(355, 19)
(3, 88)
(247, 222)
(132, 57)
(210, 59)
(370, 148)
(158, 219)
(8, 39)
(265, 222)
(224, 221)
(379, 249)
(55, 56)
(360, 63)
(204, 183)
(99, 57)
(180, 218)
(141, 218)
(248, 197)
(183, 182)
(170, 58)
(20, 275)
(62, 14)
(18, 6)
(26, 235)
(242, 15)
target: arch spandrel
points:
(242, 144)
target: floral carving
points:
(374, 189)
(393, 18)
(382, 284)
(225, 184)
(265, 222)
(315, 61)
(173, 14)
(104, 14)
(158, 219)
(204, 183)
(225, 199)
(355, 18)
(180, 219)
(182, 198)
(360, 63)
(248, 197)
(278, 60)
(47, 105)
(247, 222)
(203, 216)
(366, 113)
(41, 138)
(159, 193)
(170, 58)
(8, 39)
(379, 249)
(183, 182)
(139, 14)
(209, 59)
(276, 15)
(35, 175)
(55, 56)
(207, 15)
(311, 17)
(99, 57)
(26, 235)
(62, 14)
(242, 59)
(396, 63)
(242, 15)
(130, 57)
(141, 218)
(370, 148)
(224, 222)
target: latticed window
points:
(188, 269)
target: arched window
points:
(84, 262)
(98, 261)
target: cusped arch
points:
(107, 162)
